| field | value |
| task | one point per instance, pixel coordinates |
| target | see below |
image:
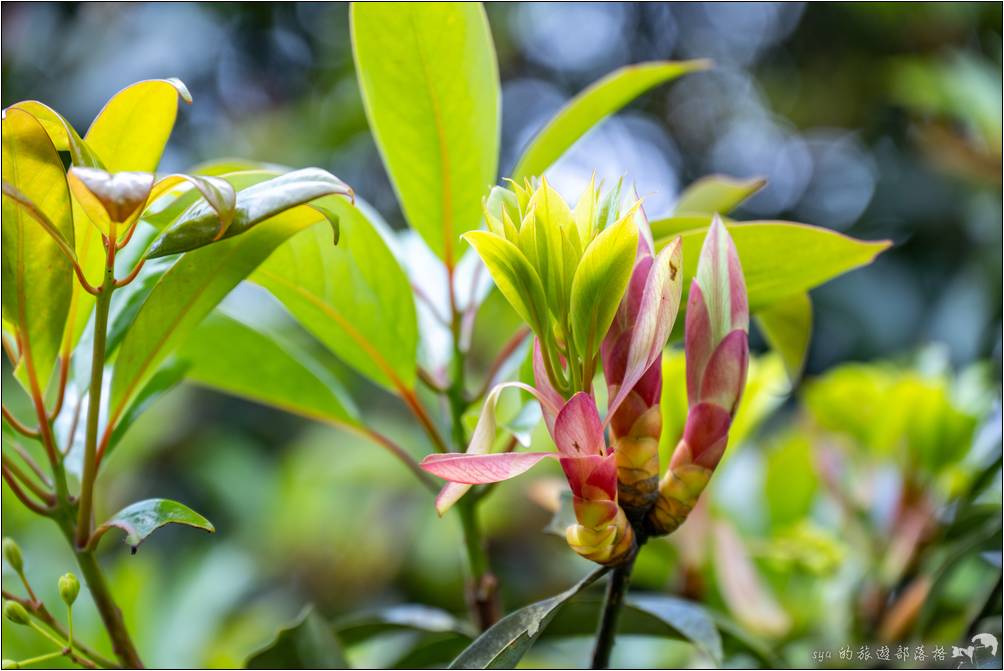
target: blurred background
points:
(877, 120)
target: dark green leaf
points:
(307, 643)
(142, 518)
(505, 642)
(591, 106)
(430, 86)
(200, 224)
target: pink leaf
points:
(448, 495)
(548, 393)
(725, 374)
(707, 433)
(477, 469)
(577, 429)
(697, 341)
(592, 477)
(660, 302)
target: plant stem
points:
(111, 616)
(482, 590)
(612, 605)
(101, 309)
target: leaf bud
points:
(15, 612)
(12, 553)
(69, 588)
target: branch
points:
(612, 605)
(23, 429)
(8, 477)
(35, 488)
(64, 373)
(38, 609)
(35, 468)
(132, 274)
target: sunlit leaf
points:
(226, 354)
(307, 643)
(787, 327)
(200, 224)
(63, 135)
(132, 129)
(781, 258)
(599, 283)
(142, 518)
(430, 87)
(513, 275)
(37, 276)
(354, 298)
(716, 194)
(505, 642)
(591, 106)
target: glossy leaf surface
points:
(200, 224)
(142, 518)
(716, 194)
(505, 643)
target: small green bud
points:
(12, 553)
(10, 664)
(69, 588)
(15, 612)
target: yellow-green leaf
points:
(781, 258)
(716, 194)
(600, 281)
(513, 275)
(787, 327)
(430, 86)
(591, 106)
(37, 276)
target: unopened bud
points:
(15, 612)
(69, 588)
(12, 553)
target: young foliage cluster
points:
(112, 276)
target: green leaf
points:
(307, 643)
(200, 224)
(591, 106)
(37, 278)
(163, 381)
(513, 275)
(188, 292)
(132, 129)
(430, 86)
(679, 223)
(787, 327)
(790, 479)
(505, 642)
(63, 135)
(689, 620)
(226, 354)
(600, 281)
(354, 298)
(142, 518)
(716, 194)
(781, 258)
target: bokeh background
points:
(877, 120)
